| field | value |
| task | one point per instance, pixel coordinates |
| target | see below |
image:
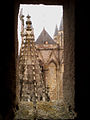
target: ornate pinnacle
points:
(28, 20)
(21, 15)
(28, 16)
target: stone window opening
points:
(45, 67)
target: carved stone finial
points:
(28, 19)
(21, 14)
(28, 16)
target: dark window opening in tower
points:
(41, 61)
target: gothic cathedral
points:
(41, 64)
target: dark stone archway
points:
(8, 52)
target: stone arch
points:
(8, 63)
(53, 61)
(69, 37)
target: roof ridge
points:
(44, 36)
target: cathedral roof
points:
(44, 37)
(61, 25)
(56, 31)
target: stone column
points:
(59, 75)
(45, 68)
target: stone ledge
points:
(45, 110)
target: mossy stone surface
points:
(45, 110)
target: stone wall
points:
(69, 55)
(49, 55)
(52, 81)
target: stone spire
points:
(32, 84)
(61, 25)
(21, 16)
(61, 34)
(56, 31)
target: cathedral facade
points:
(41, 64)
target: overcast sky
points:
(41, 16)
